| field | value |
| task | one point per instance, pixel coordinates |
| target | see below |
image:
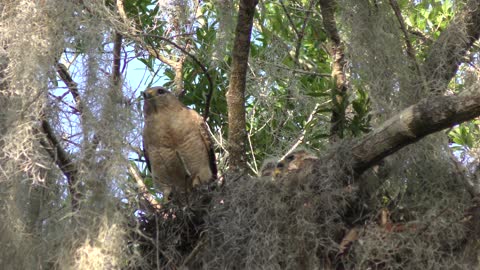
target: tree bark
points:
(339, 93)
(412, 124)
(237, 134)
(116, 72)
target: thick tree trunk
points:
(237, 134)
(339, 93)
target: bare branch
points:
(71, 84)
(304, 132)
(289, 18)
(133, 170)
(301, 34)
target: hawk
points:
(268, 168)
(297, 160)
(177, 145)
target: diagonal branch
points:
(133, 170)
(63, 161)
(412, 124)
(301, 34)
(289, 18)
(72, 86)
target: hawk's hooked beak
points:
(148, 96)
(279, 168)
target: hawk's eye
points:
(161, 91)
(289, 158)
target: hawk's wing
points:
(207, 141)
(145, 154)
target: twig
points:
(249, 135)
(300, 71)
(74, 110)
(302, 135)
(301, 34)
(410, 50)
(289, 18)
(133, 170)
(430, 222)
(219, 143)
(255, 168)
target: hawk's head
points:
(158, 98)
(294, 161)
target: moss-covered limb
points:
(447, 52)
(410, 49)
(412, 124)
(63, 161)
(237, 134)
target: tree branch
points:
(301, 34)
(289, 18)
(116, 74)
(237, 134)
(72, 86)
(412, 124)
(63, 161)
(133, 170)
